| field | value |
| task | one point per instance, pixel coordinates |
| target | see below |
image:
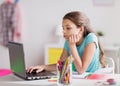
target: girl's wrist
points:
(45, 67)
(72, 45)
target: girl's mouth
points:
(65, 36)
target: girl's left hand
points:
(73, 39)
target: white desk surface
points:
(12, 80)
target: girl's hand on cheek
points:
(73, 39)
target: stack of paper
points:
(76, 75)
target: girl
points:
(81, 42)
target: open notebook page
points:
(81, 76)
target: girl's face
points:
(69, 28)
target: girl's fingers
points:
(39, 70)
(29, 69)
(32, 69)
(70, 38)
(78, 37)
(74, 38)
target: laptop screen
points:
(17, 62)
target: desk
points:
(12, 80)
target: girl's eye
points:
(68, 28)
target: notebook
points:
(100, 76)
(17, 63)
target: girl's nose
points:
(63, 31)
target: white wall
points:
(40, 17)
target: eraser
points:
(111, 81)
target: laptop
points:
(17, 63)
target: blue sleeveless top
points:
(95, 63)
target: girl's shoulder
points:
(91, 36)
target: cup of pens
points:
(64, 72)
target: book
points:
(76, 75)
(100, 76)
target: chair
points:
(110, 67)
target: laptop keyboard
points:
(41, 75)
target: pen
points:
(52, 80)
(88, 75)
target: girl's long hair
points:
(80, 19)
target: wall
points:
(40, 18)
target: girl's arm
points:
(49, 67)
(82, 64)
